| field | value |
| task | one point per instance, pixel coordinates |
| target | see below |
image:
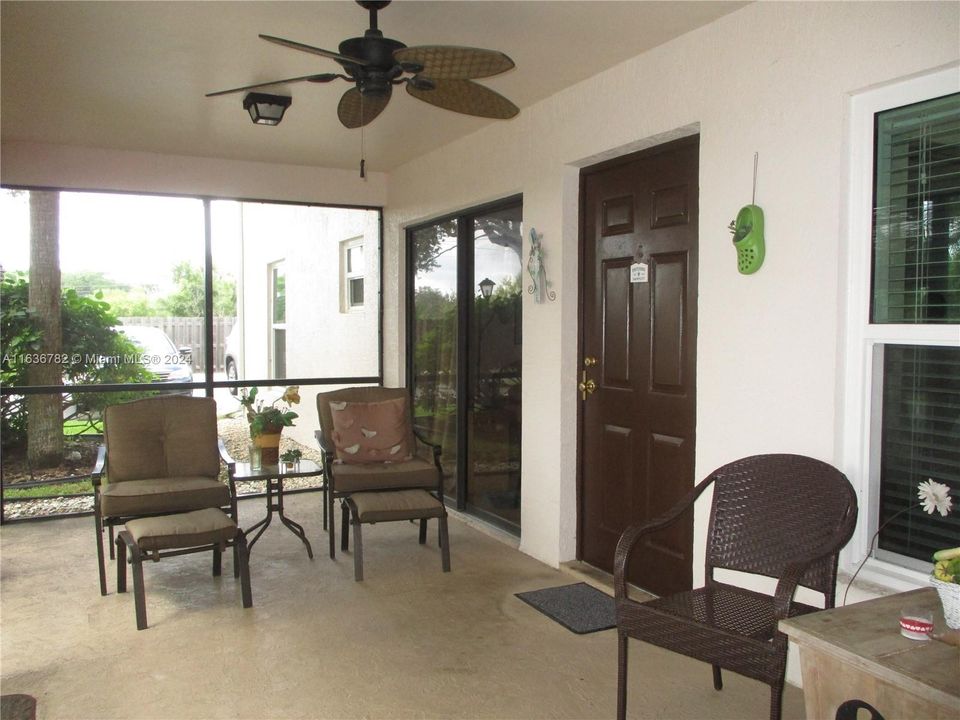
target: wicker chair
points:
(782, 516)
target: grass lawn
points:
(70, 488)
(82, 427)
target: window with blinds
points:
(920, 440)
(916, 281)
(916, 228)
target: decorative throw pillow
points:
(373, 432)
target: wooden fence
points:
(188, 331)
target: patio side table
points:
(857, 652)
(274, 476)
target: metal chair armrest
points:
(327, 450)
(96, 475)
(225, 454)
(434, 448)
(231, 469)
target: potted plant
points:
(291, 459)
(946, 579)
(268, 421)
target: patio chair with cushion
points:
(369, 445)
(160, 456)
(781, 516)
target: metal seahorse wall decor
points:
(538, 271)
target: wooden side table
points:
(857, 652)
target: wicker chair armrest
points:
(793, 573)
(787, 587)
(631, 536)
(96, 475)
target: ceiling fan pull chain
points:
(363, 161)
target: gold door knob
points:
(586, 386)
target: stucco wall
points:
(774, 78)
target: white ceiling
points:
(132, 75)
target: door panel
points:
(637, 429)
(616, 324)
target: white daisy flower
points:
(934, 496)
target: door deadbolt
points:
(589, 361)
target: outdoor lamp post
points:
(486, 287)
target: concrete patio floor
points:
(408, 642)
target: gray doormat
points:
(580, 608)
(18, 707)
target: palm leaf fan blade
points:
(356, 110)
(451, 62)
(467, 97)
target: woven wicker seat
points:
(782, 516)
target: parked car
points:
(165, 361)
(231, 353)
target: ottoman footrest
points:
(180, 534)
(391, 506)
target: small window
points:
(278, 326)
(351, 274)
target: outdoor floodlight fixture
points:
(486, 287)
(266, 109)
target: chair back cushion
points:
(391, 413)
(372, 432)
(159, 437)
(770, 510)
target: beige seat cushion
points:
(200, 527)
(385, 476)
(159, 495)
(166, 436)
(374, 507)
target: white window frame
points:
(864, 341)
(346, 277)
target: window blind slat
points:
(920, 439)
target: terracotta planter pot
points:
(269, 445)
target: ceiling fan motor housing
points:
(375, 77)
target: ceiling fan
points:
(441, 75)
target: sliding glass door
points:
(464, 353)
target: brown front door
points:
(638, 345)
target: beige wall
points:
(774, 78)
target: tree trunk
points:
(44, 412)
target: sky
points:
(133, 239)
(138, 239)
(496, 262)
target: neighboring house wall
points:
(773, 78)
(321, 341)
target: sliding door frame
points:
(465, 290)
